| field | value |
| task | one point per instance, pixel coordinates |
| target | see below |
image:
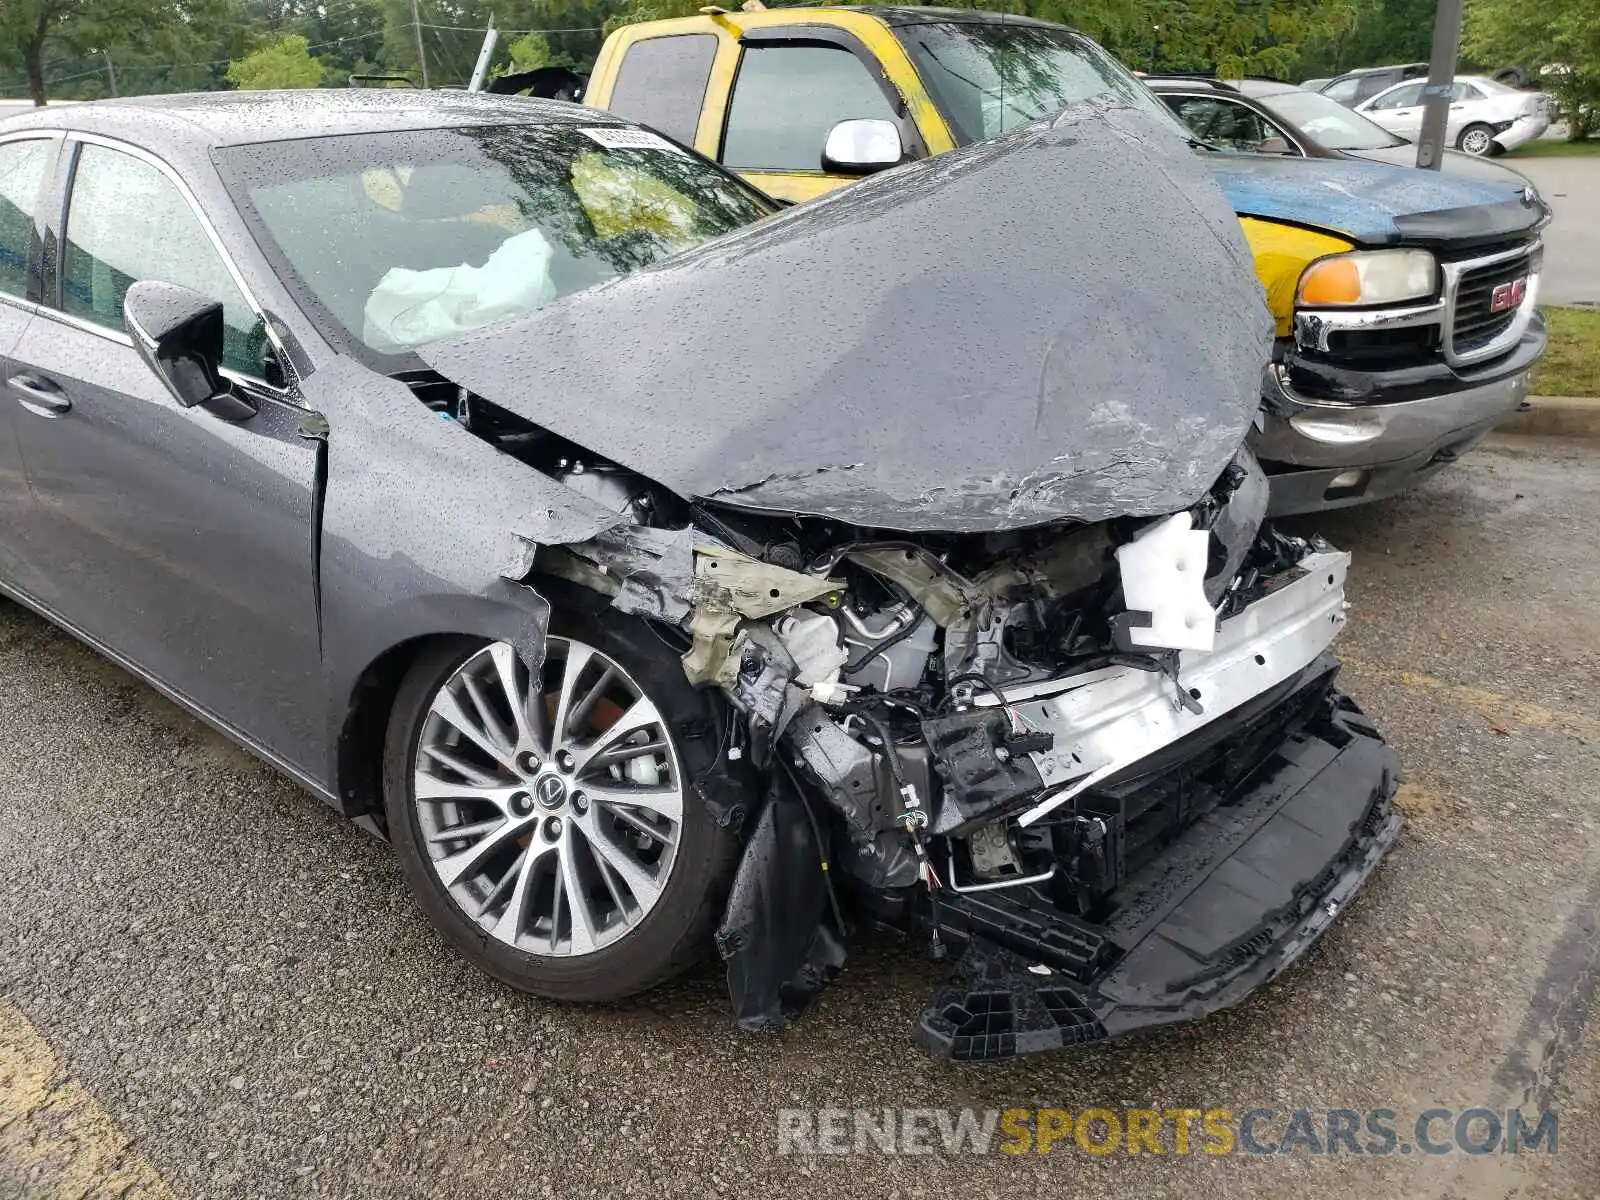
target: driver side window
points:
(786, 98)
(127, 221)
(1224, 122)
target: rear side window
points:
(22, 168)
(662, 83)
(127, 221)
(1344, 91)
(787, 97)
(1402, 97)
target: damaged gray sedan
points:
(657, 571)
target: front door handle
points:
(40, 395)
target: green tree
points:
(1384, 31)
(285, 63)
(529, 52)
(94, 34)
(1556, 41)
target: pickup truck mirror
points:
(862, 146)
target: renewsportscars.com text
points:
(1176, 1131)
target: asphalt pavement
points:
(212, 987)
(1571, 186)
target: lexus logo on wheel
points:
(1508, 295)
(551, 791)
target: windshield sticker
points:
(620, 138)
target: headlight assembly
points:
(1365, 277)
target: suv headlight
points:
(1369, 277)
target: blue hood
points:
(1373, 203)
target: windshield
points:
(989, 77)
(392, 240)
(1328, 122)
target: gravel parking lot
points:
(209, 963)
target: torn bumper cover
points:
(1232, 903)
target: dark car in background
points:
(1353, 87)
(1267, 117)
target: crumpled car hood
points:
(1063, 323)
(1372, 202)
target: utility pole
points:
(484, 55)
(1441, 75)
(422, 57)
(111, 72)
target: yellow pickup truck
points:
(1404, 300)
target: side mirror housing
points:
(1274, 145)
(861, 147)
(178, 333)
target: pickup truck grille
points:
(1478, 330)
(1476, 324)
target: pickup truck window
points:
(662, 83)
(989, 77)
(787, 97)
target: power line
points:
(417, 26)
(215, 62)
(478, 29)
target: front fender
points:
(1282, 253)
(424, 530)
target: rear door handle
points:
(40, 395)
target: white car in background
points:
(1485, 117)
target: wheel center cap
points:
(551, 790)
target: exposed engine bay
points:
(1032, 747)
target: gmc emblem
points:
(1508, 295)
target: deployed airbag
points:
(410, 307)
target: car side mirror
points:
(862, 146)
(1274, 145)
(178, 333)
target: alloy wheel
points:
(550, 805)
(1476, 141)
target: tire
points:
(664, 939)
(1477, 139)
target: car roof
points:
(1411, 66)
(913, 14)
(892, 15)
(1254, 88)
(1266, 87)
(193, 123)
(1182, 82)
